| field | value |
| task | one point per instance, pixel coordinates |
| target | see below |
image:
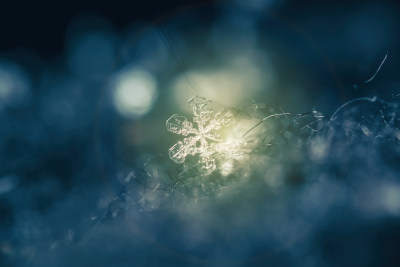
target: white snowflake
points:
(198, 140)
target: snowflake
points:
(198, 140)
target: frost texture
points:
(198, 140)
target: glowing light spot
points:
(15, 89)
(227, 167)
(242, 79)
(391, 199)
(365, 130)
(319, 149)
(135, 93)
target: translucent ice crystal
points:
(199, 139)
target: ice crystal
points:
(203, 140)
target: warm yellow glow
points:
(240, 80)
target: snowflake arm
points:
(178, 124)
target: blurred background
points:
(86, 89)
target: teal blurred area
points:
(86, 177)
